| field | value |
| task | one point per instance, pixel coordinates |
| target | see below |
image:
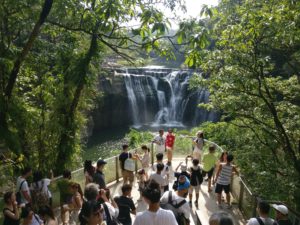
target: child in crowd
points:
(158, 177)
(141, 179)
(166, 172)
(196, 180)
(183, 171)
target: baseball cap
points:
(281, 208)
(101, 162)
(183, 183)
(183, 167)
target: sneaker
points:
(196, 202)
(190, 202)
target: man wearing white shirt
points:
(22, 185)
(154, 215)
(263, 209)
(160, 141)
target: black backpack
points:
(109, 219)
(196, 175)
(174, 207)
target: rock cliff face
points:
(152, 97)
(112, 109)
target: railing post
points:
(152, 153)
(136, 165)
(241, 194)
(254, 206)
(117, 168)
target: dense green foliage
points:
(253, 73)
(50, 54)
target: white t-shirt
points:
(266, 221)
(114, 212)
(160, 143)
(185, 208)
(165, 217)
(45, 182)
(159, 179)
(165, 172)
(145, 160)
(23, 188)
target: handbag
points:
(129, 164)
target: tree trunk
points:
(16, 68)
(66, 143)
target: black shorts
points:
(220, 188)
(209, 173)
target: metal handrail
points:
(243, 188)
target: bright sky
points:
(193, 10)
(194, 6)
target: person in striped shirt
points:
(223, 179)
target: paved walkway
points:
(206, 205)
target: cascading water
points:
(162, 98)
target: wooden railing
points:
(246, 200)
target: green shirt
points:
(64, 190)
(209, 161)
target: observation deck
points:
(242, 199)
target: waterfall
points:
(161, 97)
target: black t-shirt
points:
(122, 157)
(125, 205)
(99, 179)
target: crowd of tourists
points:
(31, 204)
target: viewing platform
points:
(243, 201)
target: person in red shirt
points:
(170, 140)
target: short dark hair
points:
(264, 207)
(151, 191)
(160, 166)
(37, 176)
(221, 218)
(67, 174)
(195, 162)
(25, 211)
(229, 158)
(144, 147)
(124, 147)
(26, 170)
(212, 148)
(159, 156)
(126, 188)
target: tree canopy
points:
(252, 65)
